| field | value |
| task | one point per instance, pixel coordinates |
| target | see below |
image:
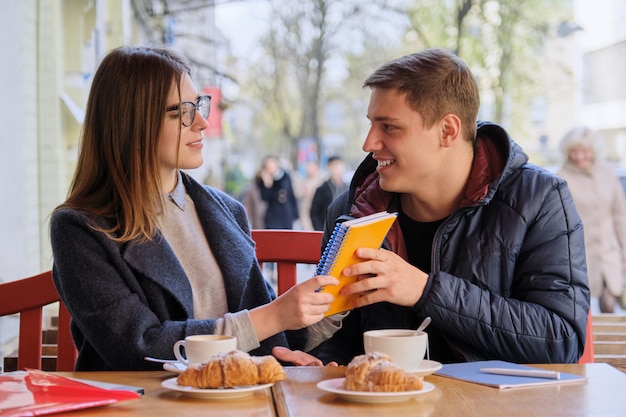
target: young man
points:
(486, 244)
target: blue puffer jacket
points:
(508, 276)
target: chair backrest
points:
(588, 353)
(287, 248)
(27, 297)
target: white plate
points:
(427, 367)
(176, 367)
(335, 386)
(213, 394)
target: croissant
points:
(232, 369)
(269, 369)
(375, 372)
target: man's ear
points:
(450, 129)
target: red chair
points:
(588, 355)
(287, 248)
(27, 297)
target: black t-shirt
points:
(418, 238)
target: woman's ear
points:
(450, 129)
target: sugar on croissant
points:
(376, 372)
(232, 369)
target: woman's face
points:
(185, 153)
(581, 155)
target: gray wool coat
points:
(130, 300)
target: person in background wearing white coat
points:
(600, 201)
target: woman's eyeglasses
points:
(187, 109)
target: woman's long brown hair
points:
(117, 176)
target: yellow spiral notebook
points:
(346, 238)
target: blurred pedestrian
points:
(328, 191)
(276, 190)
(304, 188)
(599, 199)
(254, 204)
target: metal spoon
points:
(149, 359)
(423, 325)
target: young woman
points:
(143, 254)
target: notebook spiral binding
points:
(332, 249)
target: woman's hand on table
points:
(297, 357)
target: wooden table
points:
(298, 396)
(160, 402)
(603, 395)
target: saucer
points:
(335, 386)
(176, 367)
(213, 394)
(426, 367)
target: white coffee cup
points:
(406, 348)
(200, 348)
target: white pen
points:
(531, 373)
